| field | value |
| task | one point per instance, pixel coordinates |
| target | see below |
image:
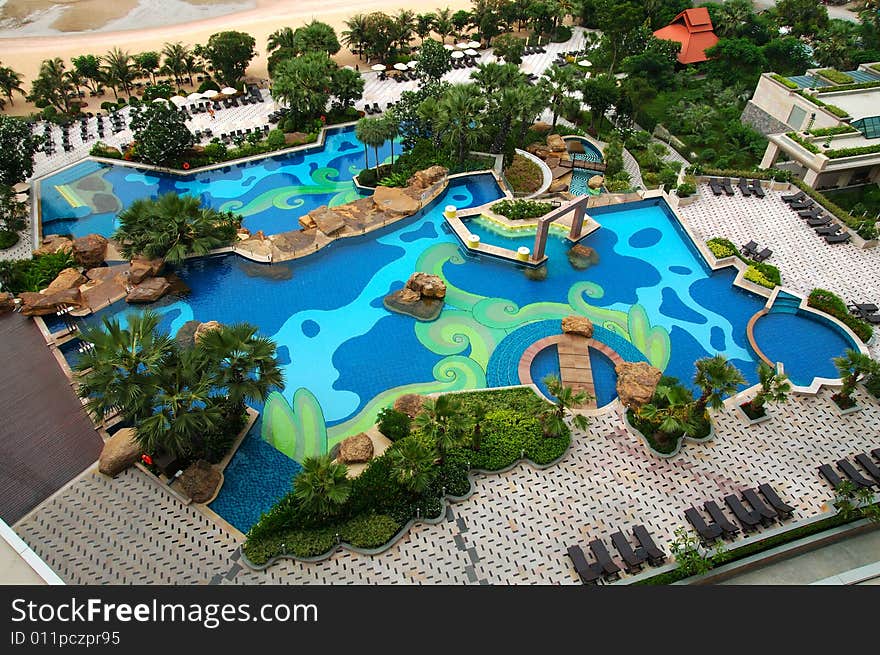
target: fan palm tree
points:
(412, 464)
(10, 82)
(243, 363)
(443, 23)
(322, 487)
(530, 106)
(174, 60)
(391, 131)
(404, 26)
(852, 365)
(192, 64)
(281, 38)
(117, 371)
(774, 388)
(716, 377)
(119, 71)
(671, 410)
(443, 421)
(506, 105)
(493, 77)
(458, 118)
(557, 83)
(567, 399)
(371, 132)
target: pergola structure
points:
(578, 206)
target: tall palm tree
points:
(492, 76)
(458, 119)
(117, 371)
(557, 83)
(193, 64)
(716, 377)
(119, 71)
(391, 131)
(404, 27)
(372, 132)
(424, 25)
(567, 399)
(356, 35)
(281, 38)
(442, 421)
(508, 104)
(322, 487)
(10, 82)
(243, 363)
(174, 60)
(362, 134)
(529, 107)
(443, 23)
(53, 85)
(774, 388)
(412, 463)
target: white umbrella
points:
(178, 100)
(229, 91)
(461, 45)
(401, 66)
(351, 68)
(378, 67)
(21, 187)
(584, 63)
(160, 100)
(195, 96)
(449, 46)
(207, 95)
(413, 64)
(21, 197)
(470, 52)
(458, 54)
(474, 44)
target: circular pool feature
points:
(310, 328)
(680, 270)
(546, 362)
(646, 238)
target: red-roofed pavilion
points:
(692, 28)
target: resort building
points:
(825, 125)
(692, 28)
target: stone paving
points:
(513, 530)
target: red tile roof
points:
(692, 28)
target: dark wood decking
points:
(46, 439)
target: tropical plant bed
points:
(524, 175)
(666, 445)
(754, 416)
(845, 404)
(379, 506)
(8, 239)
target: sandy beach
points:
(25, 54)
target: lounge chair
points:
(634, 559)
(716, 187)
(829, 474)
(819, 221)
(768, 514)
(815, 212)
(750, 249)
(828, 230)
(708, 533)
(655, 555)
(727, 186)
(803, 204)
(862, 308)
(728, 528)
(603, 558)
(743, 185)
(757, 189)
(588, 573)
(869, 465)
(873, 319)
(876, 454)
(797, 197)
(843, 237)
(853, 474)
(749, 519)
(784, 509)
(763, 255)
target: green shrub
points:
(561, 35)
(835, 76)
(668, 178)
(831, 131)
(837, 111)
(108, 105)
(216, 151)
(752, 274)
(722, 248)
(802, 142)
(396, 179)
(369, 530)
(686, 189)
(275, 139)
(394, 424)
(784, 81)
(762, 273)
(872, 384)
(848, 87)
(8, 238)
(101, 149)
(33, 274)
(208, 85)
(134, 101)
(517, 210)
(830, 303)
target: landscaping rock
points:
(150, 290)
(7, 302)
(582, 257)
(422, 297)
(555, 143)
(204, 328)
(427, 178)
(327, 220)
(142, 268)
(185, 336)
(395, 202)
(69, 278)
(120, 451)
(40, 304)
(200, 481)
(539, 150)
(636, 382)
(541, 127)
(89, 251)
(358, 448)
(596, 182)
(426, 285)
(579, 325)
(536, 273)
(410, 404)
(54, 243)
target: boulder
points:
(558, 186)
(69, 278)
(427, 178)
(408, 302)
(54, 243)
(306, 222)
(555, 143)
(120, 451)
(395, 202)
(150, 290)
(89, 251)
(596, 182)
(141, 268)
(552, 161)
(7, 302)
(539, 150)
(410, 404)
(356, 449)
(541, 127)
(407, 296)
(200, 481)
(579, 325)
(426, 285)
(204, 328)
(327, 220)
(636, 382)
(43, 304)
(582, 257)
(185, 336)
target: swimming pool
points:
(580, 178)
(270, 193)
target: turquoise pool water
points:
(579, 177)
(270, 193)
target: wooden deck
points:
(575, 370)
(46, 439)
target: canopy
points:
(210, 94)
(351, 68)
(160, 100)
(378, 67)
(448, 46)
(21, 197)
(401, 66)
(474, 44)
(21, 187)
(471, 52)
(584, 63)
(229, 91)
(178, 100)
(461, 45)
(413, 64)
(195, 96)
(458, 54)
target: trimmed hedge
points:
(831, 131)
(784, 81)
(767, 275)
(803, 143)
(864, 227)
(774, 174)
(849, 87)
(518, 210)
(837, 111)
(832, 304)
(835, 76)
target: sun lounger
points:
(727, 186)
(876, 454)
(869, 465)
(815, 212)
(796, 197)
(873, 319)
(803, 204)
(749, 519)
(743, 185)
(588, 573)
(768, 514)
(838, 238)
(708, 533)
(784, 509)
(819, 221)
(763, 255)
(655, 555)
(757, 189)
(853, 474)
(860, 308)
(603, 558)
(828, 230)
(728, 528)
(715, 186)
(634, 559)
(750, 249)
(829, 474)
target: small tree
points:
(716, 377)
(566, 400)
(510, 48)
(434, 61)
(322, 487)
(13, 214)
(413, 465)
(443, 421)
(774, 389)
(689, 554)
(852, 365)
(18, 146)
(160, 133)
(670, 412)
(229, 53)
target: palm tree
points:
(371, 132)
(53, 85)
(493, 77)
(356, 35)
(458, 119)
(192, 64)
(282, 38)
(774, 388)
(412, 463)
(852, 365)
(119, 71)
(530, 106)
(557, 83)
(567, 399)
(391, 131)
(443, 23)
(404, 26)
(116, 371)
(671, 410)
(10, 82)
(716, 377)
(362, 134)
(506, 106)
(442, 421)
(174, 62)
(322, 487)
(424, 25)
(244, 364)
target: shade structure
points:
(470, 52)
(413, 64)
(378, 67)
(21, 187)
(401, 66)
(458, 54)
(351, 68)
(210, 94)
(461, 45)
(229, 91)
(195, 96)
(178, 100)
(585, 63)
(474, 44)
(162, 100)
(449, 46)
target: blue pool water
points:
(270, 194)
(580, 178)
(546, 362)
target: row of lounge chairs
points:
(534, 50)
(866, 311)
(761, 514)
(750, 250)
(605, 568)
(229, 137)
(372, 109)
(746, 187)
(852, 473)
(816, 218)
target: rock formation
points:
(69, 278)
(120, 451)
(636, 382)
(395, 201)
(7, 302)
(54, 243)
(199, 481)
(410, 404)
(596, 182)
(150, 290)
(578, 325)
(204, 328)
(141, 268)
(555, 143)
(427, 178)
(582, 257)
(541, 127)
(422, 297)
(356, 449)
(43, 304)
(89, 251)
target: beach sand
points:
(24, 54)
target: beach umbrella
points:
(229, 91)
(449, 46)
(474, 44)
(21, 197)
(378, 67)
(160, 100)
(195, 96)
(178, 101)
(413, 64)
(400, 66)
(470, 52)
(584, 63)
(207, 95)
(458, 54)
(461, 45)
(21, 187)
(351, 68)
